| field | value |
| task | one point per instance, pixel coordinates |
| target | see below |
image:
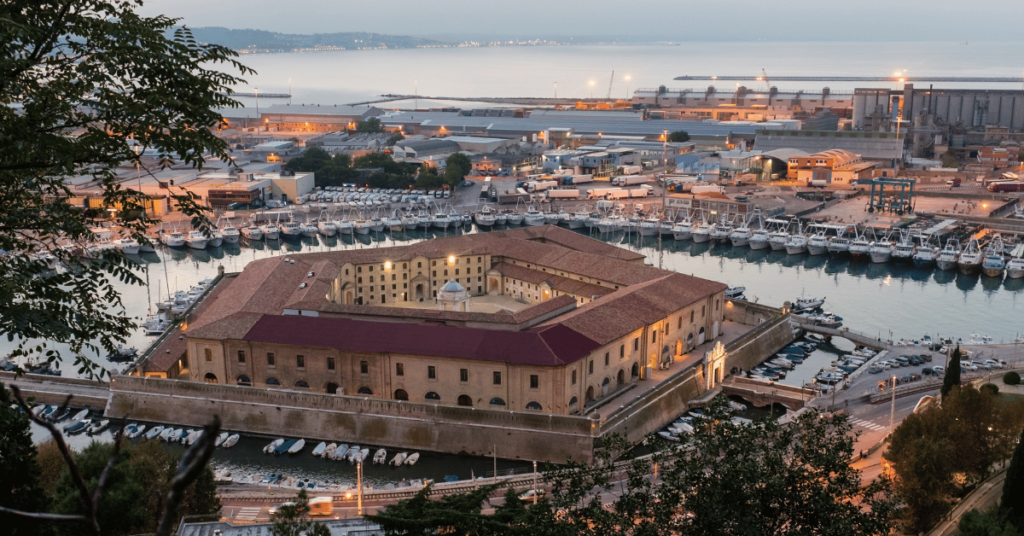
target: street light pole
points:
(359, 478)
(535, 483)
(892, 407)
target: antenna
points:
(610, 82)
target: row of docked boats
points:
(78, 421)
(340, 452)
(687, 423)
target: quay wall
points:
(387, 423)
(771, 333)
(647, 414)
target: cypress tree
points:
(952, 377)
(1012, 504)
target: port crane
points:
(767, 83)
(610, 82)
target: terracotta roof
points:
(503, 317)
(631, 308)
(547, 346)
(557, 282)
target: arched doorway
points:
(210, 378)
(590, 394)
(365, 391)
(242, 379)
(301, 384)
(419, 291)
(400, 394)
(497, 401)
(272, 381)
(432, 396)
(465, 400)
(700, 336)
(332, 388)
(605, 387)
(689, 342)
(634, 373)
(349, 298)
(573, 402)
(492, 285)
(679, 347)
(621, 378)
(714, 330)
(533, 406)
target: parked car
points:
(939, 369)
(994, 363)
(530, 494)
(927, 371)
(927, 357)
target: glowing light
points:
(387, 265)
(451, 259)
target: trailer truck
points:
(540, 186)
(631, 170)
(567, 193)
(1006, 186)
(630, 180)
(576, 179)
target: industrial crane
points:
(610, 82)
(767, 83)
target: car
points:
(969, 366)
(981, 365)
(939, 369)
(926, 357)
(529, 495)
(914, 360)
(927, 371)
(993, 363)
(275, 509)
(904, 360)
(875, 369)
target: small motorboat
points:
(668, 436)
(340, 452)
(399, 459)
(98, 426)
(134, 430)
(732, 292)
(230, 441)
(319, 450)
(154, 432)
(270, 448)
(412, 459)
(167, 433)
(194, 436)
(738, 406)
(363, 454)
(380, 457)
(352, 454)
(284, 447)
(221, 439)
(77, 427)
(122, 354)
(57, 417)
(329, 450)
(80, 415)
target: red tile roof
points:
(544, 346)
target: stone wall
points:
(749, 313)
(650, 412)
(388, 423)
(759, 344)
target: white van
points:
(321, 506)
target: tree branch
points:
(59, 518)
(76, 473)
(192, 463)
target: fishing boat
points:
(970, 258)
(271, 231)
(121, 354)
(721, 231)
(650, 226)
(172, 239)
(196, 239)
(326, 226)
(501, 218)
(994, 262)
(925, 254)
(759, 239)
(291, 229)
(904, 249)
(880, 251)
(732, 292)
(702, 233)
(682, 230)
(949, 255)
(440, 219)
(127, 246)
(399, 459)
(156, 324)
(817, 244)
(860, 248)
(806, 303)
(409, 221)
(252, 232)
(838, 245)
(778, 239)
(394, 223)
(1015, 268)
(228, 232)
(485, 217)
(578, 220)
(797, 243)
(533, 217)
(551, 218)
(741, 236)
(215, 239)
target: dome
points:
(452, 286)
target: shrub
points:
(990, 388)
(1011, 378)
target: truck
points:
(577, 179)
(1006, 186)
(321, 506)
(540, 186)
(629, 180)
(599, 193)
(707, 189)
(953, 183)
(817, 183)
(631, 170)
(573, 193)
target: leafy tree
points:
(19, 472)
(679, 136)
(370, 126)
(201, 497)
(51, 465)
(1011, 378)
(952, 376)
(290, 520)
(396, 137)
(990, 523)
(1012, 504)
(457, 166)
(83, 80)
(312, 159)
(120, 511)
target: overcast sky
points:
(678, 20)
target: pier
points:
(524, 101)
(892, 79)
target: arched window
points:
(635, 372)
(464, 400)
(606, 381)
(497, 401)
(332, 388)
(242, 379)
(432, 396)
(301, 384)
(621, 377)
(400, 394)
(364, 391)
(573, 402)
(272, 381)
(533, 405)
(210, 378)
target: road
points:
(986, 495)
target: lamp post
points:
(535, 482)
(592, 89)
(256, 92)
(359, 482)
(892, 407)
(556, 90)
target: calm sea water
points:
(343, 77)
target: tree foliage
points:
(120, 512)
(679, 136)
(81, 82)
(1012, 504)
(725, 479)
(952, 377)
(19, 472)
(1011, 378)
(934, 451)
(457, 166)
(290, 519)
(989, 523)
(370, 126)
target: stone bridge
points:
(762, 393)
(55, 389)
(852, 336)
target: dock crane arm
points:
(610, 82)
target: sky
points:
(675, 20)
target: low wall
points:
(387, 423)
(749, 313)
(650, 412)
(754, 347)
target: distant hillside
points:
(264, 41)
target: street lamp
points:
(359, 483)
(256, 92)
(535, 482)
(892, 408)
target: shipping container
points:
(563, 194)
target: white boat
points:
(1015, 268)
(806, 303)
(269, 449)
(551, 218)
(880, 251)
(319, 450)
(340, 452)
(778, 239)
(327, 228)
(154, 432)
(228, 232)
(501, 219)
(860, 248)
(611, 223)
(193, 436)
(377, 224)
(399, 459)
(127, 246)
(361, 227)
(441, 220)
(734, 291)
(720, 231)
(797, 244)
(838, 245)
(166, 434)
(329, 450)
(380, 457)
(156, 324)
(702, 233)
(134, 430)
(817, 244)
(485, 217)
(172, 239)
(196, 239)
(291, 229)
(741, 236)
(97, 427)
(650, 227)
(308, 230)
(216, 239)
(515, 218)
(410, 222)
(970, 258)
(533, 217)
(994, 262)
(904, 249)
(412, 459)
(270, 231)
(297, 447)
(950, 254)
(345, 227)
(394, 223)
(252, 232)
(682, 230)
(363, 453)
(759, 239)
(925, 254)
(578, 220)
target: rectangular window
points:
(241, 356)
(606, 359)
(534, 381)
(691, 317)
(680, 326)
(431, 372)
(399, 369)
(463, 375)
(703, 310)
(300, 361)
(208, 353)
(654, 337)
(364, 367)
(330, 363)
(574, 377)
(270, 359)
(456, 271)
(636, 344)
(591, 370)
(497, 378)
(622, 351)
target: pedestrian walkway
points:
(867, 424)
(249, 513)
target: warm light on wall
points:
(387, 265)
(451, 259)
